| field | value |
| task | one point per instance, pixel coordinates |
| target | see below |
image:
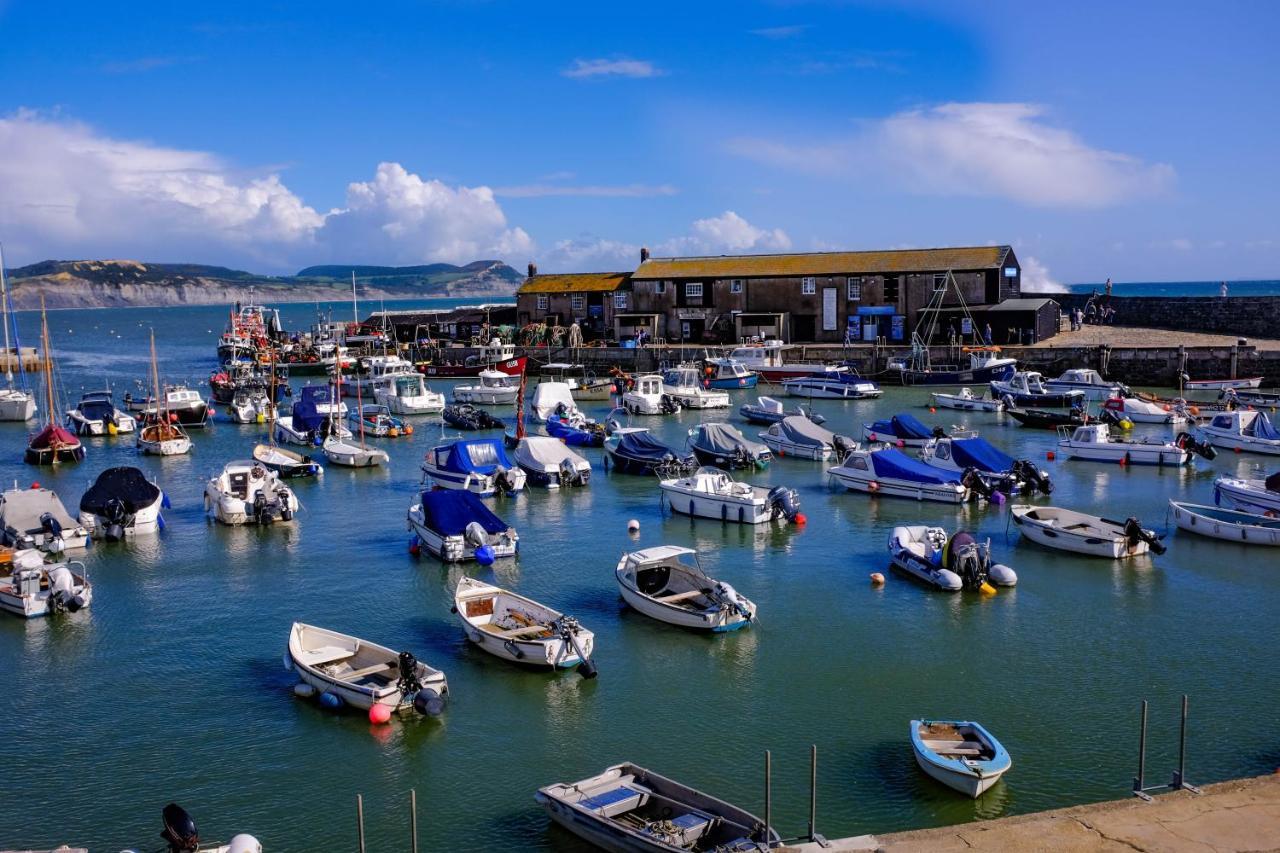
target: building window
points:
(620, 300)
(939, 282)
(735, 285)
(578, 302)
(693, 290)
(855, 289)
(891, 288)
(543, 303)
(808, 286)
(660, 287)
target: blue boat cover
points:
(1263, 428)
(477, 456)
(449, 511)
(305, 416)
(981, 454)
(902, 426)
(97, 408)
(643, 446)
(895, 465)
(557, 428)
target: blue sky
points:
(1105, 139)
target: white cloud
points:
(620, 67)
(541, 190)
(1036, 278)
(977, 149)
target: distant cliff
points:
(109, 284)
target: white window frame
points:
(620, 299)
(690, 292)
(544, 302)
(577, 302)
(939, 282)
(808, 286)
(735, 285)
(853, 288)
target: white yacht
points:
(245, 492)
(494, 389)
(408, 395)
(686, 386)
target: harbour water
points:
(171, 688)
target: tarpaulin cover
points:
(305, 416)
(724, 439)
(51, 436)
(542, 452)
(449, 511)
(1263, 428)
(800, 430)
(902, 426)
(643, 446)
(895, 465)
(96, 406)
(477, 456)
(981, 454)
(128, 485)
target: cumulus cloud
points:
(1006, 150)
(1036, 278)
(621, 67)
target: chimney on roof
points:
(533, 269)
(644, 254)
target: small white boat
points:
(1146, 412)
(548, 462)
(245, 492)
(584, 385)
(16, 405)
(407, 395)
(960, 754)
(285, 462)
(456, 526)
(374, 371)
(1027, 388)
(832, 386)
(949, 563)
(892, 473)
(362, 674)
(495, 388)
(667, 583)
(996, 469)
(647, 397)
(96, 414)
(1248, 495)
(251, 406)
(554, 398)
(767, 411)
(1094, 443)
(1229, 524)
(1087, 381)
(905, 430)
(687, 387)
(29, 587)
(35, 518)
(1091, 535)
(521, 630)
(712, 493)
(349, 454)
(121, 503)
(967, 402)
(1222, 384)
(477, 465)
(801, 438)
(1250, 431)
(163, 439)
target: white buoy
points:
(303, 690)
(633, 526)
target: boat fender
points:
(332, 701)
(873, 486)
(877, 579)
(1001, 575)
(485, 555)
(987, 589)
(379, 714)
(244, 843)
(428, 702)
(513, 649)
(303, 690)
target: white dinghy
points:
(245, 492)
(1091, 535)
(667, 583)
(1248, 495)
(1229, 524)
(799, 437)
(361, 674)
(548, 462)
(711, 493)
(1250, 431)
(30, 587)
(965, 401)
(1094, 443)
(949, 563)
(960, 754)
(521, 630)
(348, 454)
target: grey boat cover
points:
(543, 453)
(800, 430)
(21, 509)
(726, 439)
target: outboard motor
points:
(116, 514)
(568, 628)
(62, 591)
(939, 432)
(729, 596)
(786, 501)
(568, 473)
(503, 481)
(965, 558)
(51, 526)
(1135, 533)
(843, 445)
(426, 702)
(1187, 441)
(974, 482)
(477, 538)
(1034, 477)
(669, 404)
(260, 513)
(179, 831)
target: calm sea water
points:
(171, 686)
(1182, 288)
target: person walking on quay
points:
(1108, 288)
(990, 337)
(1222, 290)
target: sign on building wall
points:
(897, 328)
(829, 309)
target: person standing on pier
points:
(1108, 288)
(1222, 291)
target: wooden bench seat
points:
(368, 670)
(325, 654)
(954, 747)
(514, 633)
(678, 596)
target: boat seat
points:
(954, 747)
(527, 630)
(615, 801)
(369, 670)
(325, 654)
(678, 596)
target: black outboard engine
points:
(1135, 533)
(1187, 441)
(965, 559)
(669, 404)
(1034, 477)
(842, 445)
(939, 432)
(51, 526)
(260, 513)
(179, 830)
(282, 499)
(116, 514)
(426, 701)
(503, 481)
(785, 501)
(568, 628)
(974, 482)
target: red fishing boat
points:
(493, 356)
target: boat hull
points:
(1108, 547)
(1222, 384)
(972, 376)
(857, 481)
(967, 404)
(820, 389)
(1237, 441)
(1246, 495)
(53, 456)
(730, 383)
(1132, 454)
(1228, 525)
(726, 508)
(17, 406)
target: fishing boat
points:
(584, 384)
(521, 630)
(712, 493)
(468, 417)
(286, 463)
(985, 365)
(730, 374)
(950, 563)
(121, 503)
(16, 404)
(892, 473)
(96, 414)
(961, 755)
(1027, 388)
(52, 444)
(576, 430)
(637, 451)
(477, 465)
(362, 674)
(494, 389)
(1045, 419)
(1248, 495)
(185, 405)
(1222, 384)
(29, 587)
(376, 419)
(1260, 399)
(161, 434)
(245, 492)
(667, 583)
(647, 397)
(1248, 431)
(35, 518)
(723, 446)
(1229, 524)
(456, 526)
(1087, 381)
(1141, 411)
(1091, 535)
(767, 410)
(834, 386)
(966, 401)
(374, 371)
(767, 359)
(686, 387)
(800, 438)
(904, 430)
(492, 356)
(407, 395)
(997, 469)
(628, 809)
(315, 414)
(549, 463)
(1094, 443)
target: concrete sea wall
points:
(1242, 316)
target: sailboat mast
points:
(162, 404)
(48, 361)
(355, 310)
(4, 308)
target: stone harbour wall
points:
(1242, 316)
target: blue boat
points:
(636, 451)
(960, 754)
(730, 374)
(906, 430)
(891, 473)
(476, 465)
(997, 469)
(456, 526)
(585, 434)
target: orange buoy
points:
(379, 714)
(873, 486)
(800, 520)
(932, 410)
(35, 484)
(877, 579)
(1050, 455)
